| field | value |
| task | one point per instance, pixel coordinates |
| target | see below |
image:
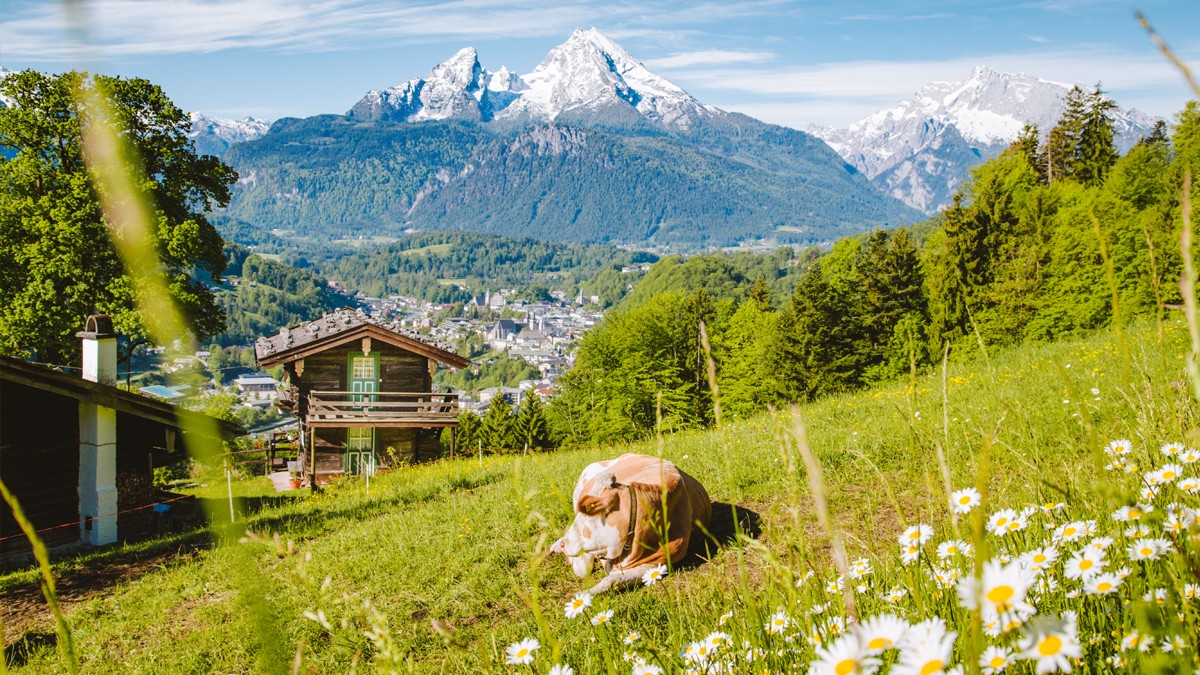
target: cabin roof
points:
(342, 326)
(42, 377)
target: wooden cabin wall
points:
(400, 440)
(39, 462)
(402, 370)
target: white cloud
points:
(709, 57)
(119, 28)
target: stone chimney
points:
(98, 437)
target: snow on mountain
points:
(920, 150)
(588, 75)
(212, 135)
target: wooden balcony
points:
(342, 409)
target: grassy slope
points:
(455, 542)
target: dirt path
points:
(23, 608)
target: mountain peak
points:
(589, 78)
(461, 70)
(946, 127)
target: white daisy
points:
(1101, 584)
(917, 534)
(843, 656)
(521, 653)
(949, 549)
(602, 617)
(561, 669)
(1117, 448)
(654, 575)
(962, 501)
(995, 659)
(881, 632)
(577, 604)
(1052, 644)
(1084, 564)
(1000, 521)
(778, 623)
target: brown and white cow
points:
(619, 508)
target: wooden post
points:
(452, 441)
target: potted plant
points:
(295, 480)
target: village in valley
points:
(542, 334)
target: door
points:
(363, 376)
(360, 451)
(363, 380)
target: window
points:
(360, 438)
(363, 368)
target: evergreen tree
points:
(820, 339)
(1095, 150)
(467, 435)
(531, 429)
(1056, 160)
(760, 294)
(496, 429)
(1026, 144)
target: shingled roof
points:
(345, 324)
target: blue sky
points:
(793, 63)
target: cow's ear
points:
(591, 506)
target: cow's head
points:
(591, 535)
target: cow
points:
(619, 506)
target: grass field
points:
(438, 568)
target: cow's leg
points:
(620, 578)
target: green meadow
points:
(439, 567)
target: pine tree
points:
(1026, 144)
(821, 339)
(496, 429)
(1095, 150)
(1057, 158)
(466, 436)
(530, 427)
(760, 294)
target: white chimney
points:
(99, 350)
(98, 437)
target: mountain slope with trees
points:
(1051, 240)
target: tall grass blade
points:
(65, 641)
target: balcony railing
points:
(381, 409)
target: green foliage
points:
(500, 370)
(57, 261)
(530, 428)
(497, 430)
(715, 186)
(452, 266)
(270, 295)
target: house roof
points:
(250, 380)
(342, 326)
(41, 377)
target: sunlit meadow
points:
(1058, 533)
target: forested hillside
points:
(1050, 240)
(269, 295)
(329, 177)
(451, 266)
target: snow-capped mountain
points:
(588, 75)
(588, 146)
(213, 135)
(920, 150)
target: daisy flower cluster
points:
(1058, 586)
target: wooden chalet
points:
(362, 390)
(79, 453)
